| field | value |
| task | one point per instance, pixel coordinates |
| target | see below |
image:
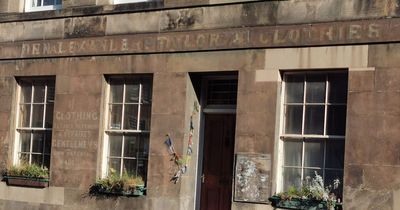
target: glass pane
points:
(336, 120)
(58, 2)
(130, 166)
(146, 92)
(46, 161)
(26, 93)
(115, 145)
(49, 116)
(293, 119)
(25, 141)
(114, 164)
(144, 146)
(117, 91)
(131, 146)
(50, 94)
(38, 93)
(37, 143)
(142, 168)
(293, 152)
(221, 92)
(24, 158)
(294, 88)
(291, 178)
(309, 174)
(314, 120)
(47, 145)
(130, 117)
(330, 176)
(37, 159)
(337, 88)
(37, 115)
(115, 116)
(145, 115)
(313, 153)
(24, 113)
(315, 89)
(334, 153)
(48, 2)
(132, 93)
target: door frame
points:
(228, 109)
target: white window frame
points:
(30, 129)
(324, 137)
(121, 131)
(30, 8)
(129, 1)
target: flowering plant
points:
(313, 189)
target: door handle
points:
(203, 178)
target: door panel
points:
(219, 138)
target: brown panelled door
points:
(219, 137)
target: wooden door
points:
(219, 138)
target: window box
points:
(303, 204)
(98, 190)
(25, 181)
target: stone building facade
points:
(290, 86)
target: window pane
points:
(336, 120)
(294, 88)
(39, 93)
(26, 93)
(291, 177)
(144, 146)
(46, 161)
(314, 120)
(47, 146)
(49, 116)
(334, 153)
(129, 166)
(131, 146)
(337, 88)
(146, 92)
(50, 94)
(48, 2)
(37, 159)
(145, 115)
(310, 173)
(132, 93)
(115, 116)
(117, 91)
(313, 153)
(37, 143)
(114, 164)
(24, 158)
(294, 119)
(130, 117)
(142, 168)
(293, 152)
(315, 89)
(24, 113)
(37, 115)
(115, 145)
(330, 176)
(25, 141)
(58, 2)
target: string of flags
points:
(182, 162)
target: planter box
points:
(27, 181)
(98, 190)
(301, 204)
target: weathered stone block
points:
(138, 23)
(361, 81)
(307, 11)
(85, 26)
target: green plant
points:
(313, 189)
(28, 170)
(114, 183)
